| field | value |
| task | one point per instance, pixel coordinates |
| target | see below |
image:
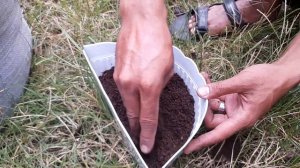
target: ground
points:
(59, 123)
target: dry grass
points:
(59, 123)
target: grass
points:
(59, 123)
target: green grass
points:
(59, 122)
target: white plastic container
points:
(101, 57)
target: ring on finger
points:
(222, 107)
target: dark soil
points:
(176, 117)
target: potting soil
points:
(176, 117)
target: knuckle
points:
(125, 80)
(116, 77)
(132, 116)
(149, 85)
(198, 140)
(209, 125)
(217, 87)
(148, 123)
(219, 138)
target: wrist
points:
(290, 61)
(136, 11)
(288, 74)
(289, 69)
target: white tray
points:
(101, 57)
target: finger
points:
(131, 102)
(235, 84)
(191, 25)
(214, 104)
(148, 120)
(209, 116)
(206, 77)
(193, 18)
(216, 120)
(193, 30)
(217, 135)
(212, 120)
(222, 98)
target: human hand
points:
(144, 64)
(248, 96)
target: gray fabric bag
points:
(15, 55)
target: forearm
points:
(137, 10)
(290, 61)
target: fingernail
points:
(144, 149)
(203, 92)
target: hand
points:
(144, 64)
(248, 96)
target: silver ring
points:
(222, 107)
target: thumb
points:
(235, 84)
